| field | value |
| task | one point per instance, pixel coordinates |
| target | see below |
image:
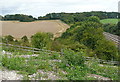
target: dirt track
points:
(19, 29)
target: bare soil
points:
(18, 29)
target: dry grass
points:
(19, 29)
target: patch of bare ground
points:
(98, 77)
(9, 75)
(45, 75)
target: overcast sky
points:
(42, 7)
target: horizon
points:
(53, 12)
(38, 8)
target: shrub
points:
(77, 46)
(77, 73)
(8, 39)
(41, 40)
(73, 58)
(94, 19)
(25, 41)
(13, 63)
(112, 28)
(57, 46)
(106, 50)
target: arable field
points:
(18, 29)
(113, 21)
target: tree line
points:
(18, 17)
(66, 17)
(77, 17)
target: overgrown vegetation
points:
(112, 28)
(72, 63)
(90, 34)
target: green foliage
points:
(77, 73)
(91, 35)
(57, 46)
(73, 63)
(71, 18)
(106, 50)
(8, 39)
(50, 35)
(19, 17)
(67, 18)
(13, 63)
(104, 70)
(41, 40)
(118, 28)
(73, 58)
(94, 19)
(88, 35)
(0, 39)
(112, 28)
(77, 47)
(25, 41)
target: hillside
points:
(51, 65)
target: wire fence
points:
(36, 50)
(24, 48)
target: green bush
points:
(73, 58)
(19, 17)
(112, 28)
(24, 41)
(94, 19)
(106, 50)
(13, 63)
(77, 73)
(41, 40)
(18, 63)
(57, 46)
(8, 39)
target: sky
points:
(42, 7)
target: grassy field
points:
(19, 29)
(113, 21)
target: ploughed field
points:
(18, 29)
